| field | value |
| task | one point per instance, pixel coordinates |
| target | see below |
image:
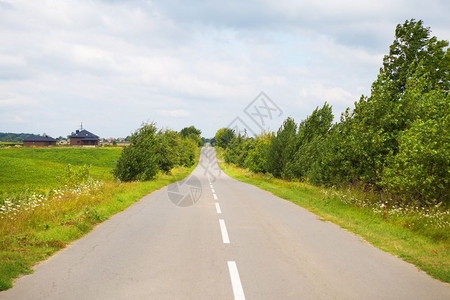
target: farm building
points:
(83, 138)
(43, 140)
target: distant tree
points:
(223, 137)
(15, 137)
(205, 140)
(187, 131)
(192, 133)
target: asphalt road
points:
(212, 237)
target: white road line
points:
(219, 211)
(211, 186)
(213, 190)
(215, 196)
(236, 281)
(223, 229)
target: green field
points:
(39, 168)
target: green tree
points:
(139, 161)
(255, 160)
(192, 133)
(234, 150)
(281, 151)
(375, 124)
(168, 148)
(223, 137)
(412, 47)
(419, 171)
(310, 139)
(188, 149)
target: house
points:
(83, 138)
(43, 140)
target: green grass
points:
(10, 144)
(34, 237)
(427, 248)
(39, 168)
(31, 235)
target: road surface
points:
(212, 237)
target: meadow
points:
(40, 168)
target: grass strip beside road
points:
(32, 236)
(430, 252)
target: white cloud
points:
(176, 113)
(114, 64)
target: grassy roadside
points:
(35, 232)
(428, 249)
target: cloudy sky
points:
(114, 64)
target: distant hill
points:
(14, 137)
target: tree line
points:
(395, 141)
(15, 137)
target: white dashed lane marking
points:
(219, 211)
(238, 291)
(223, 229)
(235, 281)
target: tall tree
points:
(412, 47)
(311, 132)
(282, 150)
(374, 126)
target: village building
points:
(83, 138)
(37, 141)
